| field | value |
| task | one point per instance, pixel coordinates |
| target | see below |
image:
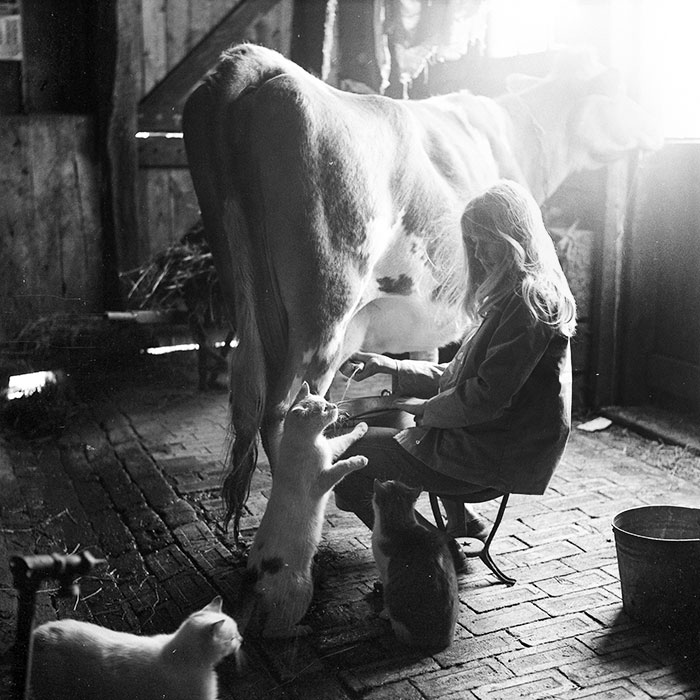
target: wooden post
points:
(605, 370)
(359, 42)
(118, 51)
(308, 30)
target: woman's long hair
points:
(507, 212)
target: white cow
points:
(333, 218)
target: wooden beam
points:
(56, 69)
(159, 151)
(161, 108)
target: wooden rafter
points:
(161, 108)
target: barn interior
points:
(114, 344)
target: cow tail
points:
(248, 382)
(216, 129)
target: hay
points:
(182, 277)
(677, 460)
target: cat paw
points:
(357, 462)
(359, 430)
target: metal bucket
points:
(377, 411)
(658, 556)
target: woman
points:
(499, 415)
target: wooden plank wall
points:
(172, 29)
(167, 204)
(660, 362)
(50, 248)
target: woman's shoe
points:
(476, 528)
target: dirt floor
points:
(128, 465)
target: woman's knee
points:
(352, 489)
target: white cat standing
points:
(74, 660)
(282, 553)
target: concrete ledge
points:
(658, 423)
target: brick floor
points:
(135, 478)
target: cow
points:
(333, 217)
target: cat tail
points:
(216, 128)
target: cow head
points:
(582, 118)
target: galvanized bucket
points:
(376, 411)
(658, 556)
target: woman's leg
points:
(388, 460)
(463, 521)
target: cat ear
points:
(216, 605)
(215, 627)
(304, 391)
(415, 492)
(411, 492)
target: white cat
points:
(290, 531)
(74, 660)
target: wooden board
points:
(50, 232)
(170, 30)
(168, 208)
(266, 22)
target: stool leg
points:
(435, 506)
(485, 555)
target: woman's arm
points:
(418, 378)
(513, 351)
(410, 377)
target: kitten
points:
(75, 660)
(290, 531)
(416, 569)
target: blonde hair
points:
(507, 212)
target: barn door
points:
(660, 359)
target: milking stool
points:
(476, 548)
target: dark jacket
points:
(500, 412)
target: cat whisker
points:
(321, 658)
(241, 661)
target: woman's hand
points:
(361, 365)
(415, 407)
